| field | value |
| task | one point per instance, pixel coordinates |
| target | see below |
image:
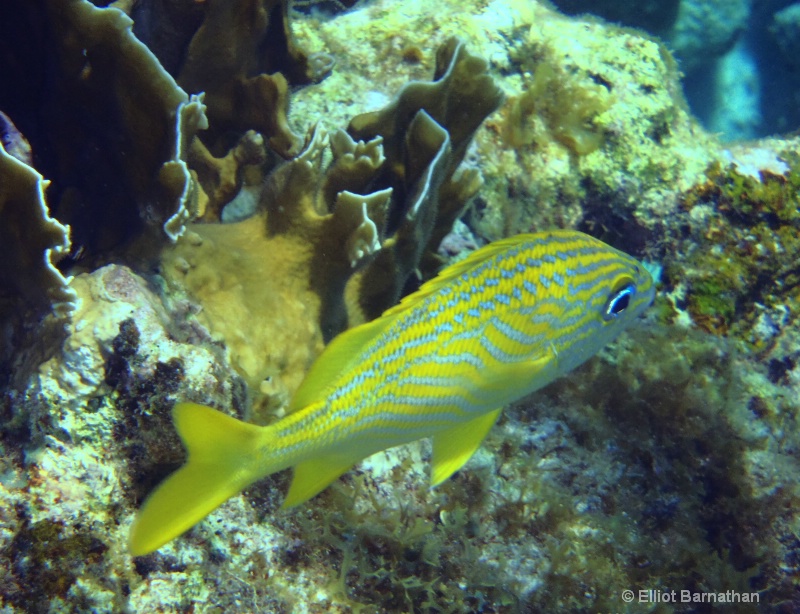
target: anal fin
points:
(313, 476)
(454, 447)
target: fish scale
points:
(502, 323)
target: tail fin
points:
(222, 461)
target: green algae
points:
(746, 257)
(567, 105)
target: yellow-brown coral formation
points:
(115, 127)
(31, 242)
(429, 126)
(273, 286)
(241, 53)
(112, 130)
(36, 300)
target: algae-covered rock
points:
(598, 135)
(698, 31)
(736, 271)
(104, 397)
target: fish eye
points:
(618, 301)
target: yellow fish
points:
(507, 320)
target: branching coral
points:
(31, 242)
(113, 129)
(115, 134)
(667, 461)
(426, 132)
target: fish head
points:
(602, 291)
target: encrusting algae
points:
(504, 322)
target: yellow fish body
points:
(507, 320)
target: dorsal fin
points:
(335, 359)
(449, 273)
(338, 356)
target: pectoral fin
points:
(454, 447)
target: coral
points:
(315, 229)
(111, 133)
(113, 130)
(31, 287)
(31, 243)
(242, 55)
(667, 461)
(222, 179)
(240, 272)
(116, 129)
(426, 133)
